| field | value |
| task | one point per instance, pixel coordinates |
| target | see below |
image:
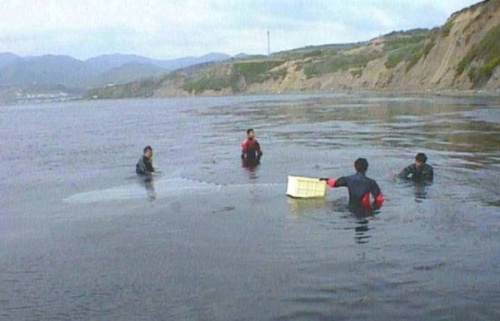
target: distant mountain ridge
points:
(58, 70)
(7, 58)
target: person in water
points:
(250, 148)
(360, 186)
(145, 164)
(418, 171)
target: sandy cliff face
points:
(436, 70)
(439, 69)
(464, 54)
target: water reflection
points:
(494, 203)
(147, 181)
(361, 235)
(310, 259)
(305, 207)
(362, 217)
(251, 166)
(358, 215)
(453, 125)
(420, 190)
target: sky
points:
(165, 29)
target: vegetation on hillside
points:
(487, 54)
(339, 62)
(410, 49)
(399, 51)
(136, 89)
(445, 31)
(314, 61)
(210, 79)
(316, 51)
(217, 79)
(254, 71)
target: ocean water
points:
(83, 238)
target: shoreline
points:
(384, 93)
(437, 93)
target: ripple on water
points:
(212, 239)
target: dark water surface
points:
(81, 238)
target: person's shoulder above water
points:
(407, 171)
(140, 167)
(428, 169)
(428, 172)
(419, 170)
(369, 180)
(145, 163)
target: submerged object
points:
(305, 187)
(145, 187)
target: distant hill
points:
(461, 55)
(241, 56)
(127, 73)
(191, 61)
(106, 63)
(7, 58)
(44, 70)
(51, 70)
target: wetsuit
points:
(426, 173)
(144, 166)
(360, 187)
(250, 149)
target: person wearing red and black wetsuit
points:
(250, 147)
(360, 186)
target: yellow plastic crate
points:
(304, 187)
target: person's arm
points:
(140, 168)
(244, 147)
(429, 174)
(377, 195)
(333, 182)
(258, 150)
(406, 172)
(149, 166)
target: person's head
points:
(361, 165)
(148, 152)
(251, 133)
(420, 160)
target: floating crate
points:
(304, 187)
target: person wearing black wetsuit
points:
(145, 164)
(360, 186)
(419, 171)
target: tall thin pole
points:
(268, 43)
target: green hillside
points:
(463, 54)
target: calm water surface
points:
(82, 238)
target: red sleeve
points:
(379, 200)
(377, 194)
(244, 146)
(331, 182)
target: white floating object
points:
(304, 187)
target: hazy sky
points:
(174, 28)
